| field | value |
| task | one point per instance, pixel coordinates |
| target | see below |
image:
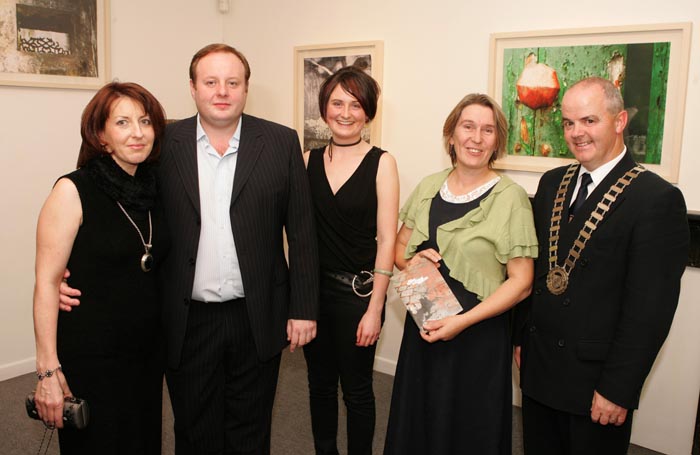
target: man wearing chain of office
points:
(614, 244)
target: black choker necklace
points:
(346, 145)
(332, 143)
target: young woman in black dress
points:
(355, 189)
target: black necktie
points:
(582, 193)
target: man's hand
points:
(66, 294)
(604, 411)
(300, 332)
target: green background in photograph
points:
(643, 89)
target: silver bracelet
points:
(48, 373)
(384, 272)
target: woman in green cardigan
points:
(452, 390)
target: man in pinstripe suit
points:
(229, 185)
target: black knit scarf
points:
(137, 192)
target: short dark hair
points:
(97, 112)
(499, 117)
(357, 83)
(213, 48)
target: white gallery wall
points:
(434, 53)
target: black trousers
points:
(222, 395)
(547, 431)
(333, 356)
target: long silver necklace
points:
(147, 258)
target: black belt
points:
(361, 284)
(342, 277)
(226, 302)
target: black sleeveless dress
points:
(110, 346)
(452, 397)
(347, 220)
(346, 224)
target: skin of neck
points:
(471, 177)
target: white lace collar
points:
(447, 195)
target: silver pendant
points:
(146, 262)
(557, 280)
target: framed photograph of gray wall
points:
(312, 65)
(54, 43)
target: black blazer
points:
(270, 195)
(604, 332)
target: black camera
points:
(76, 412)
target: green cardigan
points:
(477, 246)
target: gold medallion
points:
(558, 276)
(557, 280)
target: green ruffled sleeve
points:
(518, 238)
(415, 212)
(408, 212)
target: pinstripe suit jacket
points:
(270, 194)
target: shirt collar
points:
(602, 171)
(232, 143)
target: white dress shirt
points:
(598, 175)
(217, 276)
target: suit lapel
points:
(184, 152)
(249, 150)
(625, 164)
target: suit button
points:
(584, 262)
(538, 291)
(191, 261)
(533, 329)
(561, 343)
(187, 301)
(566, 302)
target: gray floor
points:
(291, 424)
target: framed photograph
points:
(57, 43)
(312, 65)
(530, 71)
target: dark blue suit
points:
(604, 332)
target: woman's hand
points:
(443, 329)
(49, 397)
(518, 285)
(368, 329)
(429, 254)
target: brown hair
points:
(499, 117)
(213, 48)
(357, 83)
(97, 112)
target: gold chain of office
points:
(558, 276)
